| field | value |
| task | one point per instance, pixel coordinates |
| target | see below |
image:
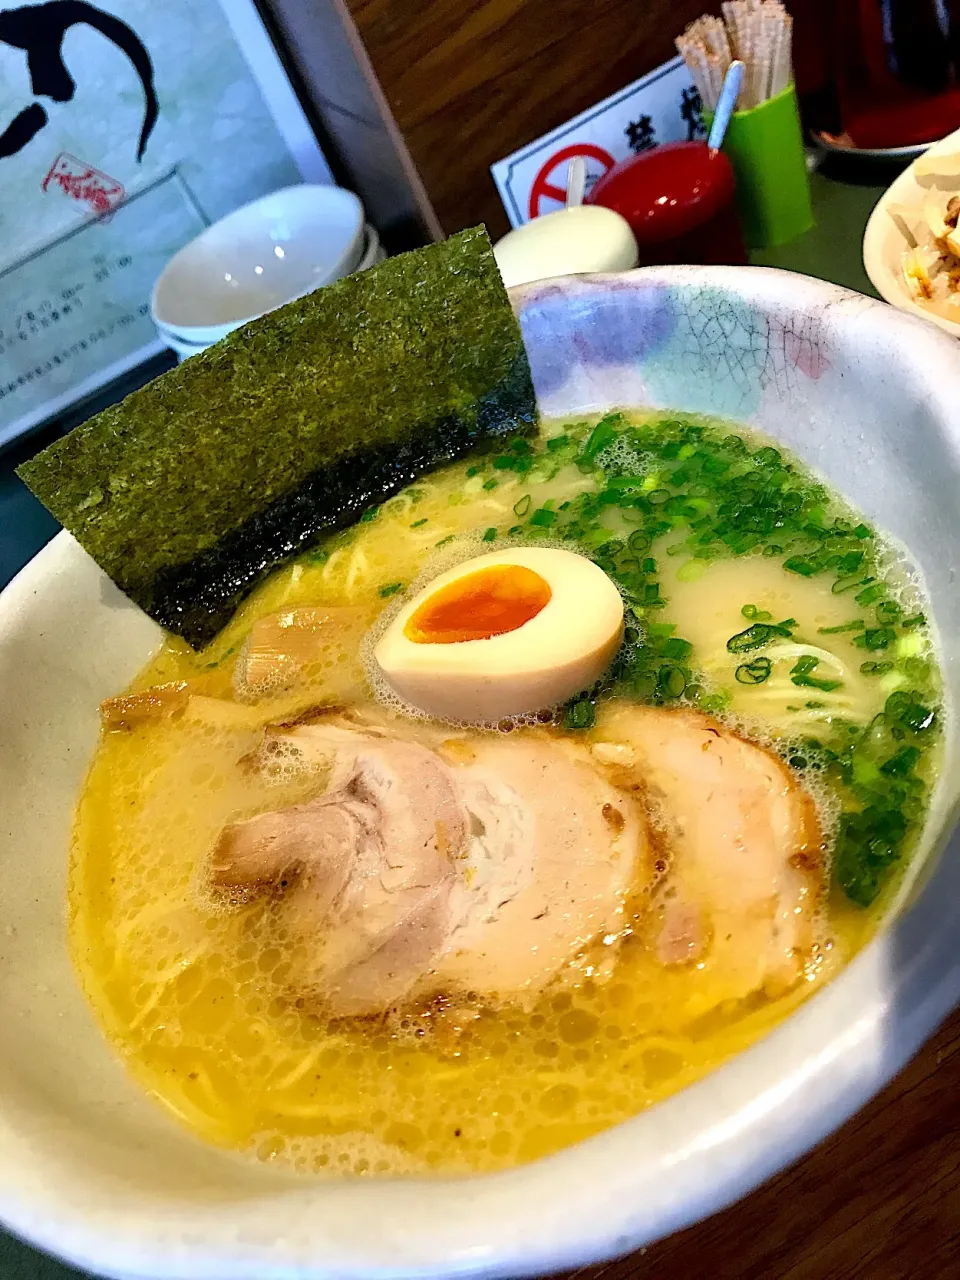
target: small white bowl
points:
(884, 242)
(373, 253)
(258, 257)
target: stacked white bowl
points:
(257, 258)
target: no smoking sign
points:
(550, 183)
(661, 107)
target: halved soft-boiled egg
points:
(503, 634)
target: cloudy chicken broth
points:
(770, 636)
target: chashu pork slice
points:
(553, 850)
(483, 869)
(363, 874)
(742, 842)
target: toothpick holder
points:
(765, 147)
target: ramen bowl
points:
(93, 1171)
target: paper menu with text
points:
(125, 127)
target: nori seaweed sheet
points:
(192, 490)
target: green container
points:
(765, 147)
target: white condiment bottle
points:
(572, 241)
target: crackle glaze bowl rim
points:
(93, 1172)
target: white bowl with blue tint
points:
(92, 1170)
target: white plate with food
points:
(521, 838)
(911, 246)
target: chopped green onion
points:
(754, 672)
(918, 717)
(489, 534)
(846, 584)
(543, 519)
(557, 442)
(580, 715)
(800, 675)
(753, 614)
(875, 668)
(391, 589)
(659, 496)
(671, 681)
(903, 707)
(851, 562)
(801, 565)
(811, 682)
(900, 764)
(523, 506)
(888, 611)
(857, 624)
(603, 433)
(513, 462)
(491, 483)
(417, 523)
(805, 665)
(870, 594)
(760, 634)
(915, 620)
(677, 649)
(876, 638)
(639, 540)
(766, 456)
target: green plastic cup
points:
(765, 147)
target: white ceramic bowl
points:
(92, 1170)
(258, 257)
(884, 242)
(373, 253)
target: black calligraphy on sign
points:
(640, 134)
(691, 112)
(39, 30)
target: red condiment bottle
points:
(678, 200)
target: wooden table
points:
(880, 1200)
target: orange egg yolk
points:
(488, 602)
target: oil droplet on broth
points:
(196, 1000)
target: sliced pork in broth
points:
(745, 852)
(482, 868)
